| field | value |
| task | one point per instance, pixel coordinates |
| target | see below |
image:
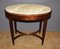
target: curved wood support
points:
(28, 34)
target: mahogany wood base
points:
(23, 34)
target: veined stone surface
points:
(28, 9)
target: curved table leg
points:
(12, 31)
(44, 30)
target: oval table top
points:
(28, 10)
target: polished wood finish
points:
(12, 31)
(28, 18)
(40, 26)
(44, 30)
(15, 26)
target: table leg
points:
(15, 24)
(12, 31)
(40, 26)
(44, 30)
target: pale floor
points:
(52, 41)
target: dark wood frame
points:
(13, 18)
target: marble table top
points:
(28, 9)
